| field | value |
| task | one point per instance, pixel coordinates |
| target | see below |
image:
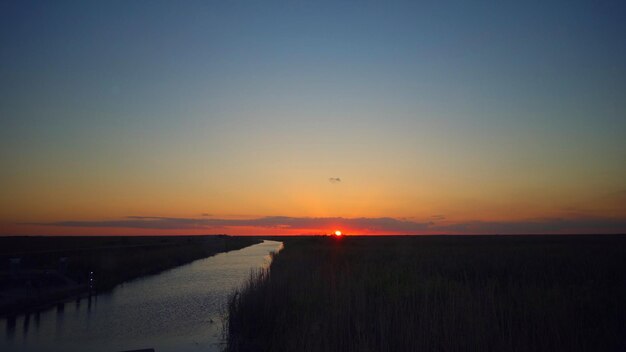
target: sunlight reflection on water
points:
(178, 310)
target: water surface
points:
(177, 310)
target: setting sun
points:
(337, 233)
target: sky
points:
(303, 117)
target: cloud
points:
(539, 226)
(362, 225)
(334, 180)
(165, 223)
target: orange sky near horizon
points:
(249, 118)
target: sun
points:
(338, 233)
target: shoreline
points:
(37, 285)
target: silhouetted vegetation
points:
(43, 278)
(474, 293)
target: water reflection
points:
(26, 324)
(10, 328)
(178, 310)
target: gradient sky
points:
(291, 117)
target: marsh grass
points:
(480, 293)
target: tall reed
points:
(479, 293)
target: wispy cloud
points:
(534, 226)
(166, 223)
(362, 224)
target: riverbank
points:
(38, 271)
(181, 309)
(436, 293)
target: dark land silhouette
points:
(436, 293)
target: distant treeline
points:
(457, 293)
(110, 260)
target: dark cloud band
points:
(363, 224)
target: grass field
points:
(470, 293)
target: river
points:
(180, 309)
